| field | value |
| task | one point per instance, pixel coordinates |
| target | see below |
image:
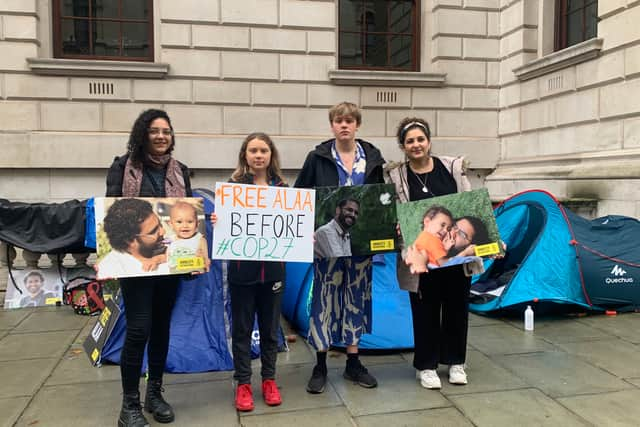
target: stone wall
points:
(572, 127)
(488, 85)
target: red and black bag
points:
(84, 295)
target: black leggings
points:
(148, 302)
(247, 301)
(440, 312)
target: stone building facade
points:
(487, 79)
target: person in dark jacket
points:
(147, 170)
(256, 286)
(341, 295)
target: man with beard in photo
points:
(333, 239)
(36, 294)
(136, 237)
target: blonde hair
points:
(345, 109)
(242, 169)
(180, 205)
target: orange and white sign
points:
(263, 223)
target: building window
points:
(103, 29)
(378, 34)
(576, 21)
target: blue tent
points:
(392, 325)
(557, 257)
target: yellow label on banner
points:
(107, 297)
(104, 317)
(95, 354)
(488, 249)
(52, 301)
(189, 263)
(382, 245)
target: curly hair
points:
(242, 169)
(409, 123)
(123, 219)
(139, 136)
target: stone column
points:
(6, 258)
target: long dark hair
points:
(139, 136)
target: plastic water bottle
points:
(528, 319)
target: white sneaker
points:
(457, 375)
(429, 379)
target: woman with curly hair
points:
(147, 170)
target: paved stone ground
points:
(571, 371)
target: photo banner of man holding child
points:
(453, 229)
(263, 223)
(146, 236)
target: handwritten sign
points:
(263, 223)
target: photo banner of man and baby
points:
(147, 236)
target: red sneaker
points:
(244, 397)
(271, 393)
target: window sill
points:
(386, 78)
(96, 68)
(564, 58)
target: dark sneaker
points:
(317, 381)
(359, 375)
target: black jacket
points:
(255, 272)
(115, 177)
(320, 169)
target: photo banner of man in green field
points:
(357, 220)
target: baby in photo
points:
(187, 241)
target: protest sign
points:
(452, 229)
(140, 236)
(355, 220)
(263, 223)
(33, 287)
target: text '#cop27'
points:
(266, 225)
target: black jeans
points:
(148, 302)
(440, 312)
(246, 302)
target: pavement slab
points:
(35, 345)
(10, 318)
(62, 319)
(612, 355)
(483, 375)
(441, 417)
(11, 408)
(320, 417)
(623, 326)
(520, 408)
(564, 374)
(506, 339)
(397, 391)
(607, 409)
(21, 378)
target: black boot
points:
(131, 413)
(155, 404)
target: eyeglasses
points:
(152, 233)
(158, 131)
(462, 234)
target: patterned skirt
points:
(340, 301)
